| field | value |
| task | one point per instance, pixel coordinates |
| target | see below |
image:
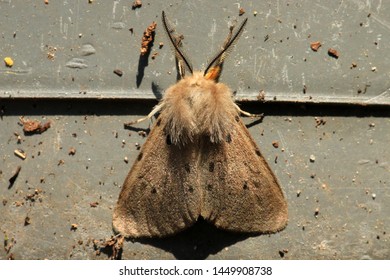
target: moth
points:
(199, 160)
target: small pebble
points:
(8, 62)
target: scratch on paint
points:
(285, 77)
(212, 32)
(114, 9)
(58, 144)
(287, 151)
(338, 9)
(379, 6)
(380, 96)
(381, 21)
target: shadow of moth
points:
(199, 161)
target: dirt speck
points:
(72, 151)
(94, 204)
(316, 212)
(20, 153)
(333, 53)
(261, 96)
(319, 121)
(283, 252)
(27, 221)
(136, 4)
(14, 176)
(118, 72)
(315, 45)
(8, 62)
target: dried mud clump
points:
(34, 126)
(136, 4)
(112, 247)
(148, 38)
(333, 53)
(315, 45)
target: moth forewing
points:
(242, 193)
(158, 197)
(199, 161)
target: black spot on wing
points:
(211, 166)
(228, 138)
(169, 140)
(187, 168)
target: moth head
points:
(214, 68)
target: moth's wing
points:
(159, 196)
(240, 193)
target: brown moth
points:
(199, 161)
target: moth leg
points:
(248, 114)
(151, 114)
